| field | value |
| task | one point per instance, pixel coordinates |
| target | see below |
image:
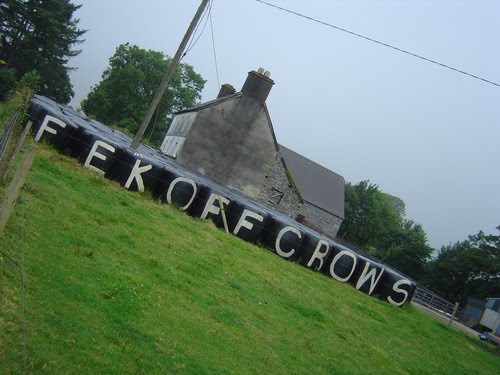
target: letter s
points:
(397, 289)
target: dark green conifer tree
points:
(38, 35)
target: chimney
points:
(225, 90)
(258, 85)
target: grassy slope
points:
(119, 284)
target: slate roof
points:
(317, 185)
(210, 103)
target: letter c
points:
(280, 252)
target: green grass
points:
(116, 283)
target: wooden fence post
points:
(453, 315)
(15, 186)
(19, 144)
(5, 149)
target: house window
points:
(275, 196)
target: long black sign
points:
(107, 152)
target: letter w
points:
(372, 276)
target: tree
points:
(39, 35)
(129, 84)
(375, 222)
(396, 203)
(369, 216)
(406, 249)
(467, 268)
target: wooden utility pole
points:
(168, 75)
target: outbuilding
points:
(491, 315)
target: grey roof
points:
(210, 103)
(317, 185)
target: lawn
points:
(118, 283)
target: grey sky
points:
(421, 132)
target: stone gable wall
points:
(276, 180)
(323, 221)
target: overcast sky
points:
(419, 131)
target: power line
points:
(378, 42)
(213, 42)
(195, 38)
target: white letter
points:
(45, 126)
(171, 188)
(334, 261)
(397, 289)
(318, 254)
(278, 240)
(136, 175)
(211, 208)
(370, 275)
(245, 223)
(93, 153)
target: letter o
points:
(335, 260)
(171, 188)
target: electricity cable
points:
(213, 43)
(193, 41)
(155, 121)
(378, 42)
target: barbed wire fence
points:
(12, 141)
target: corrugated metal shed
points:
(473, 311)
(317, 185)
(491, 315)
(491, 320)
(493, 304)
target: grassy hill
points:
(116, 283)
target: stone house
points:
(231, 140)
